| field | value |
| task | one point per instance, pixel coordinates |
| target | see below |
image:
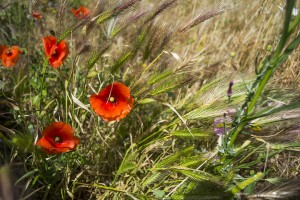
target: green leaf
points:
(271, 111)
(146, 101)
(196, 134)
(173, 158)
(200, 176)
(125, 167)
(155, 177)
(205, 112)
(118, 64)
(159, 193)
(28, 174)
(2, 84)
(96, 56)
(23, 142)
(164, 88)
(104, 16)
(70, 30)
(157, 77)
(93, 73)
(192, 161)
(241, 185)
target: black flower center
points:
(8, 53)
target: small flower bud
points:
(229, 91)
(232, 54)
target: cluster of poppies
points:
(112, 103)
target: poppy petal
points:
(56, 53)
(116, 109)
(10, 56)
(81, 12)
(48, 43)
(65, 134)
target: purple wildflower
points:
(219, 125)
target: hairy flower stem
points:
(266, 74)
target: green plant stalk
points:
(45, 64)
(269, 72)
(294, 24)
(236, 132)
(276, 56)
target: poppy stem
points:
(45, 64)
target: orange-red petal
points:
(58, 129)
(110, 111)
(10, 56)
(49, 42)
(36, 15)
(56, 53)
(81, 12)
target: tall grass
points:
(169, 56)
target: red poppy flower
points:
(57, 138)
(56, 53)
(10, 55)
(113, 102)
(81, 12)
(36, 15)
